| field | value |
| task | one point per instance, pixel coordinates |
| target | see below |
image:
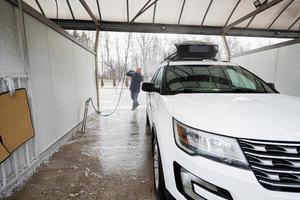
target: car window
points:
(154, 75)
(239, 80)
(158, 78)
(213, 78)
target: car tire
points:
(158, 175)
(148, 128)
(147, 121)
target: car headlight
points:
(209, 145)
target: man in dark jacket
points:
(135, 85)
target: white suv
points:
(220, 132)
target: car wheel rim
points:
(156, 166)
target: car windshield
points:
(212, 79)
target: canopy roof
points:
(274, 18)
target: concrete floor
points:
(112, 160)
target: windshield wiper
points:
(185, 90)
(245, 90)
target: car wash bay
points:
(112, 159)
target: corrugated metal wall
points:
(59, 78)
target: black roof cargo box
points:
(194, 50)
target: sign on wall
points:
(15, 122)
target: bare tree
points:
(144, 42)
(108, 62)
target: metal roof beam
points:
(140, 11)
(273, 46)
(89, 11)
(127, 8)
(154, 12)
(252, 14)
(291, 26)
(250, 21)
(173, 28)
(206, 12)
(99, 12)
(40, 7)
(144, 9)
(235, 7)
(181, 11)
(70, 8)
(281, 12)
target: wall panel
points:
(62, 75)
(280, 66)
(11, 56)
(288, 70)
(41, 82)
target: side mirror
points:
(271, 85)
(149, 87)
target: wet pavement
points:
(112, 160)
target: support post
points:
(227, 49)
(97, 67)
(97, 24)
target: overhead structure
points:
(258, 18)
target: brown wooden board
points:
(15, 120)
(3, 153)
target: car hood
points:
(252, 116)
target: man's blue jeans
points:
(134, 97)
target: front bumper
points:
(240, 183)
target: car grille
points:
(276, 165)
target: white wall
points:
(11, 57)
(280, 66)
(61, 77)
